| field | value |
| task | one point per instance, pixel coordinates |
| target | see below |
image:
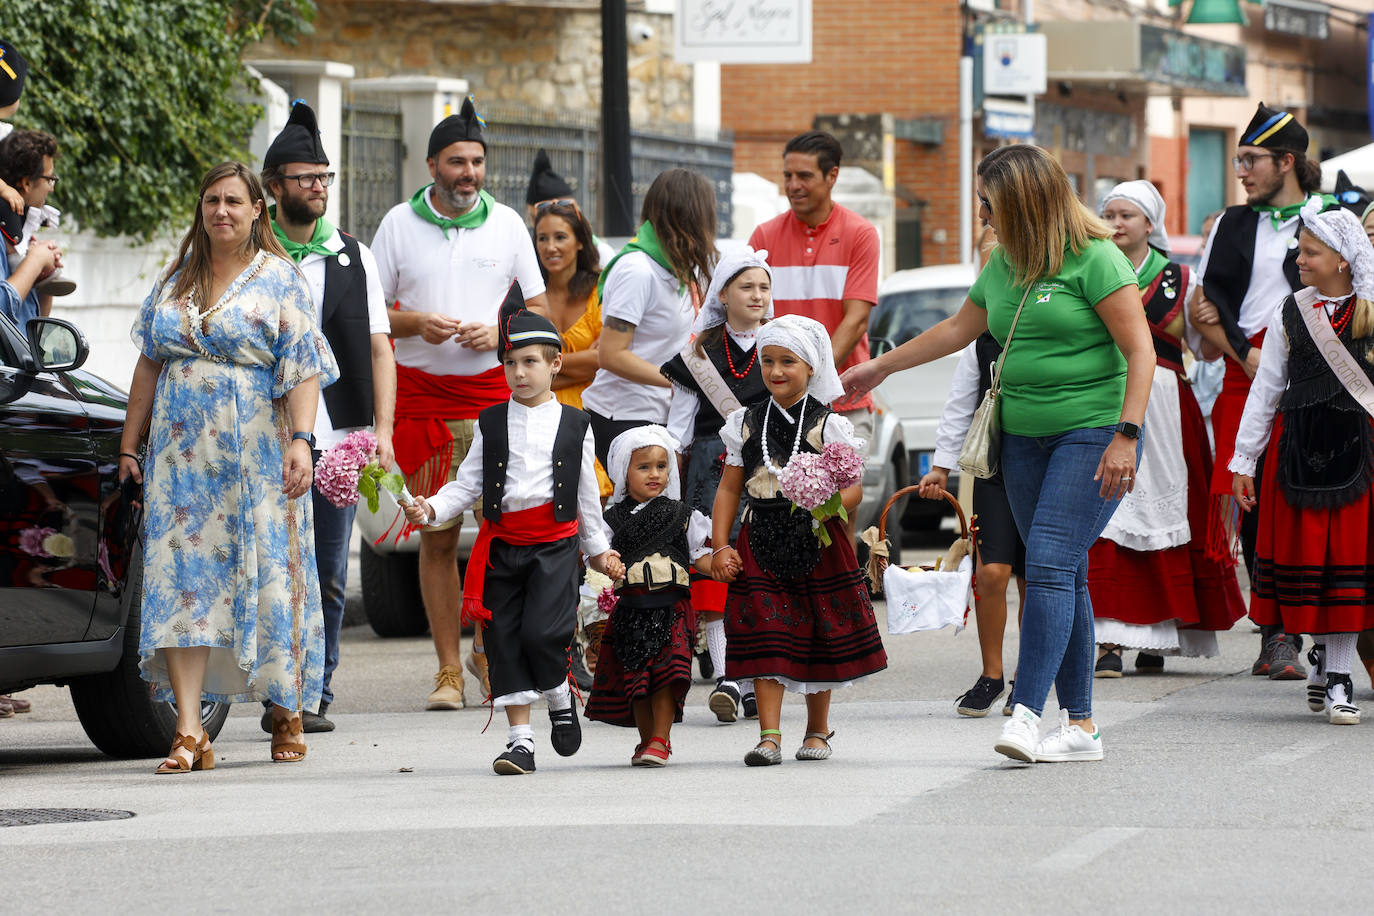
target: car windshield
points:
(902, 315)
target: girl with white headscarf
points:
(1154, 584)
(645, 666)
(716, 373)
(797, 616)
(1314, 557)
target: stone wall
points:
(542, 57)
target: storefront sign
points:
(743, 31)
(1188, 62)
(1004, 119)
(1014, 64)
(1298, 17)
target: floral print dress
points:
(229, 561)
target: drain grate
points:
(27, 817)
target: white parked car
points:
(909, 302)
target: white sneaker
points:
(1068, 742)
(1020, 735)
(1339, 708)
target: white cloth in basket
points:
(927, 600)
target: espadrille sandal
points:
(762, 756)
(816, 753)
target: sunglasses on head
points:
(560, 202)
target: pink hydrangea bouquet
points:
(813, 482)
(350, 470)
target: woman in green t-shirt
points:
(1075, 382)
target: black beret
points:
(13, 69)
(467, 124)
(518, 327)
(1274, 129)
(545, 183)
(299, 140)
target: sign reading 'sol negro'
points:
(743, 31)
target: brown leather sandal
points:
(283, 730)
(202, 756)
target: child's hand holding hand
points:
(1243, 488)
(608, 564)
(419, 512)
(726, 564)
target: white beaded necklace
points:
(763, 436)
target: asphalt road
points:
(1219, 793)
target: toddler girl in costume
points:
(716, 374)
(645, 667)
(1314, 558)
(798, 615)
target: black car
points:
(71, 570)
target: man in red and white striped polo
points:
(824, 259)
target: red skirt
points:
(615, 690)
(1184, 583)
(816, 630)
(1314, 568)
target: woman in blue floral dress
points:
(231, 366)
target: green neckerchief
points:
(645, 240)
(469, 220)
(324, 231)
(1149, 268)
(1280, 215)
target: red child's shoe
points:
(652, 756)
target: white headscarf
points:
(809, 339)
(625, 444)
(712, 309)
(1340, 230)
(1145, 196)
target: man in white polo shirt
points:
(447, 259)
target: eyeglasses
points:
(307, 179)
(1247, 162)
(52, 180)
(561, 202)
(984, 201)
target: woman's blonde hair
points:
(1038, 214)
(193, 257)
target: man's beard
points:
(454, 199)
(1265, 194)
(300, 211)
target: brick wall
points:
(897, 56)
(547, 58)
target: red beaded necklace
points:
(1340, 318)
(731, 361)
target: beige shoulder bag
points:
(983, 443)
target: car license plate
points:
(923, 462)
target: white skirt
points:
(1154, 515)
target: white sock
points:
(715, 644)
(522, 736)
(559, 697)
(746, 686)
(1316, 674)
(1340, 652)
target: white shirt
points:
(698, 533)
(682, 412)
(529, 473)
(312, 266)
(1271, 378)
(957, 416)
(1268, 286)
(464, 276)
(641, 292)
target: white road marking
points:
(1086, 848)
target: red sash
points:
(523, 529)
(425, 401)
(1223, 524)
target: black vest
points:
(567, 459)
(749, 390)
(344, 320)
(1230, 264)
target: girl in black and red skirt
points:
(797, 616)
(1314, 559)
(645, 667)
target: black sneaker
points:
(315, 722)
(1284, 662)
(724, 701)
(1261, 666)
(1147, 662)
(708, 670)
(750, 705)
(979, 699)
(1109, 665)
(1011, 689)
(516, 761)
(566, 734)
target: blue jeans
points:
(1059, 513)
(333, 532)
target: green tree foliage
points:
(143, 96)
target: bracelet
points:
(133, 456)
(719, 549)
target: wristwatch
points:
(308, 437)
(1129, 430)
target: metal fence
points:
(372, 155)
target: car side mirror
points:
(57, 345)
